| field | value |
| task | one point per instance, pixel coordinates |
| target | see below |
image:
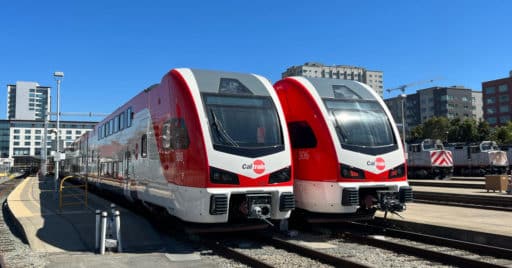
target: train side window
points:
(129, 118)
(301, 135)
(116, 124)
(111, 127)
(144, 146)
(175, 135)
(122, 119)
(127, 159)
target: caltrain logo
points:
(379, 163)
(258, 166)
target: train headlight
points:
(222, 176)
(397, 172)
(282, 175)
(349, 172)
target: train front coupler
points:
(390, 201)
(259, 207)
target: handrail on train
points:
(74, 195)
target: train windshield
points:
(430, 145)
(489, 146)
(362, 126)
(244, 125)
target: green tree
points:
(453, 130)
(468, 131)
(436, 128)
(416, 133)
(502, 135)
(484, 130)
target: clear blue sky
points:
(111, 50)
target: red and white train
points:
(429, 159)
(347, 154)
(205, 146)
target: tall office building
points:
(312, 69)
(451, 102)
(497, 100)
(27, 101)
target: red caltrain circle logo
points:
(258, 166)
(380, 164)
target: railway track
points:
(437, 249)
(256, 251)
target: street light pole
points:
(58, 77)
(403, 121)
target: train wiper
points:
(221, 131)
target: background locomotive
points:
(478, 159)
(428, 159)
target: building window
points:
(69, 132)
(69, 138)
(16, 137)
(38, 131)
(27, 137)
(504, 109)
(16, 143)
(16, 131)
(489, 90)
(491, 120)
(27, 131)
(38, 143)
(78, 132)
(504, 119)
(491, 100)
(38, 138)
(27, 143)
(504, 98)
(503, 88)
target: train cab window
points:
(144, 146)
(175, 135)
(414, 148)
(301, 135)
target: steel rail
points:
(310, 253)
(480, 249)
(235, 255)
(421, 252)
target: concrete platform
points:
(465, 191)
(476, 225)
(68, 235)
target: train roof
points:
(341, 89)
(229, 83)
